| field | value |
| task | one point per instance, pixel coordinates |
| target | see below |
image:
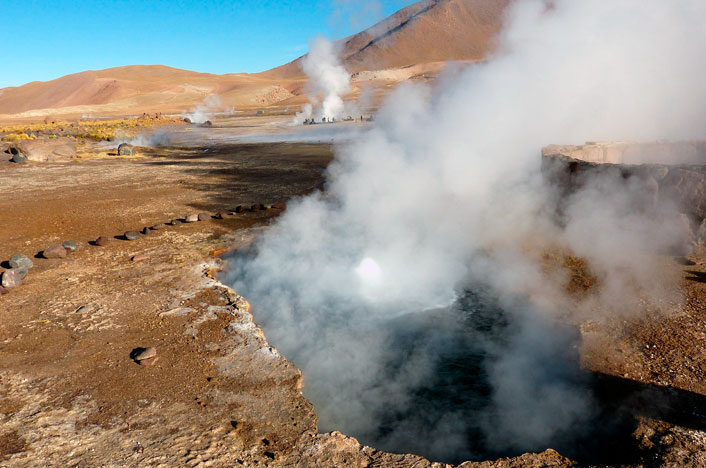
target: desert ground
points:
(216, 393)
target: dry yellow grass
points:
(97, 130)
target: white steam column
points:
(328, 82)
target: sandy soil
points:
(220, 395)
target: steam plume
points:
(445, 193)
(328, 82)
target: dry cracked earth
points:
(219, 395)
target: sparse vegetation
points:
(97, 130)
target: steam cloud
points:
(202, 112)
(445, 193)
(328, 82)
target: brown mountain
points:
(427, 32)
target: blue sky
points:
(43, 40)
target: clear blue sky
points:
(43, 40)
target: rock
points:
(279, 206)
(10, 278)
(140, 258)
(69, 245)
(21, 261)
(239, 209)
(257, 207)
(46, 149)
(176, 222)
(187, 120)
(204, 216)
(144, 356)
(126, 149)
(132, 235)
(54, 251)
(158, 226)
(221, 215)
(145, 231)
(192, 218)
(207, 123)
(101, 241)
(18, 158)
(3, 291)
(21, 272)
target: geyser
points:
(447, 197)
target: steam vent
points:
(666, 172)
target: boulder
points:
(54, 251)
(126, 149)
(21, 261)
(44, 150)
(10, 278)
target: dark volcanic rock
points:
(21, 261)
(126, 149)
(54, 251)
(239, 209)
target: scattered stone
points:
(204, 216)
(221, 215)
(145, 231)
(126, 149)
(140, 258)
(239, 209)
(54, 251)
(10, 278)
(255, 207)
(3, 291)
(18, 158)
(192, 218)
(69, 245)
(176, 222)
(101, 241)
(207, 123)
(158, 226)
(187, 120)
(21, 261)
(177, 312)
(132, 235)
(22, 272)
(144, 356)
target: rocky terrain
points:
(131, 353)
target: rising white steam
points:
(446, 192)
(203, 112)
(328, 82)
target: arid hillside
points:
(412, 42)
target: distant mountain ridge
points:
(425, 32)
